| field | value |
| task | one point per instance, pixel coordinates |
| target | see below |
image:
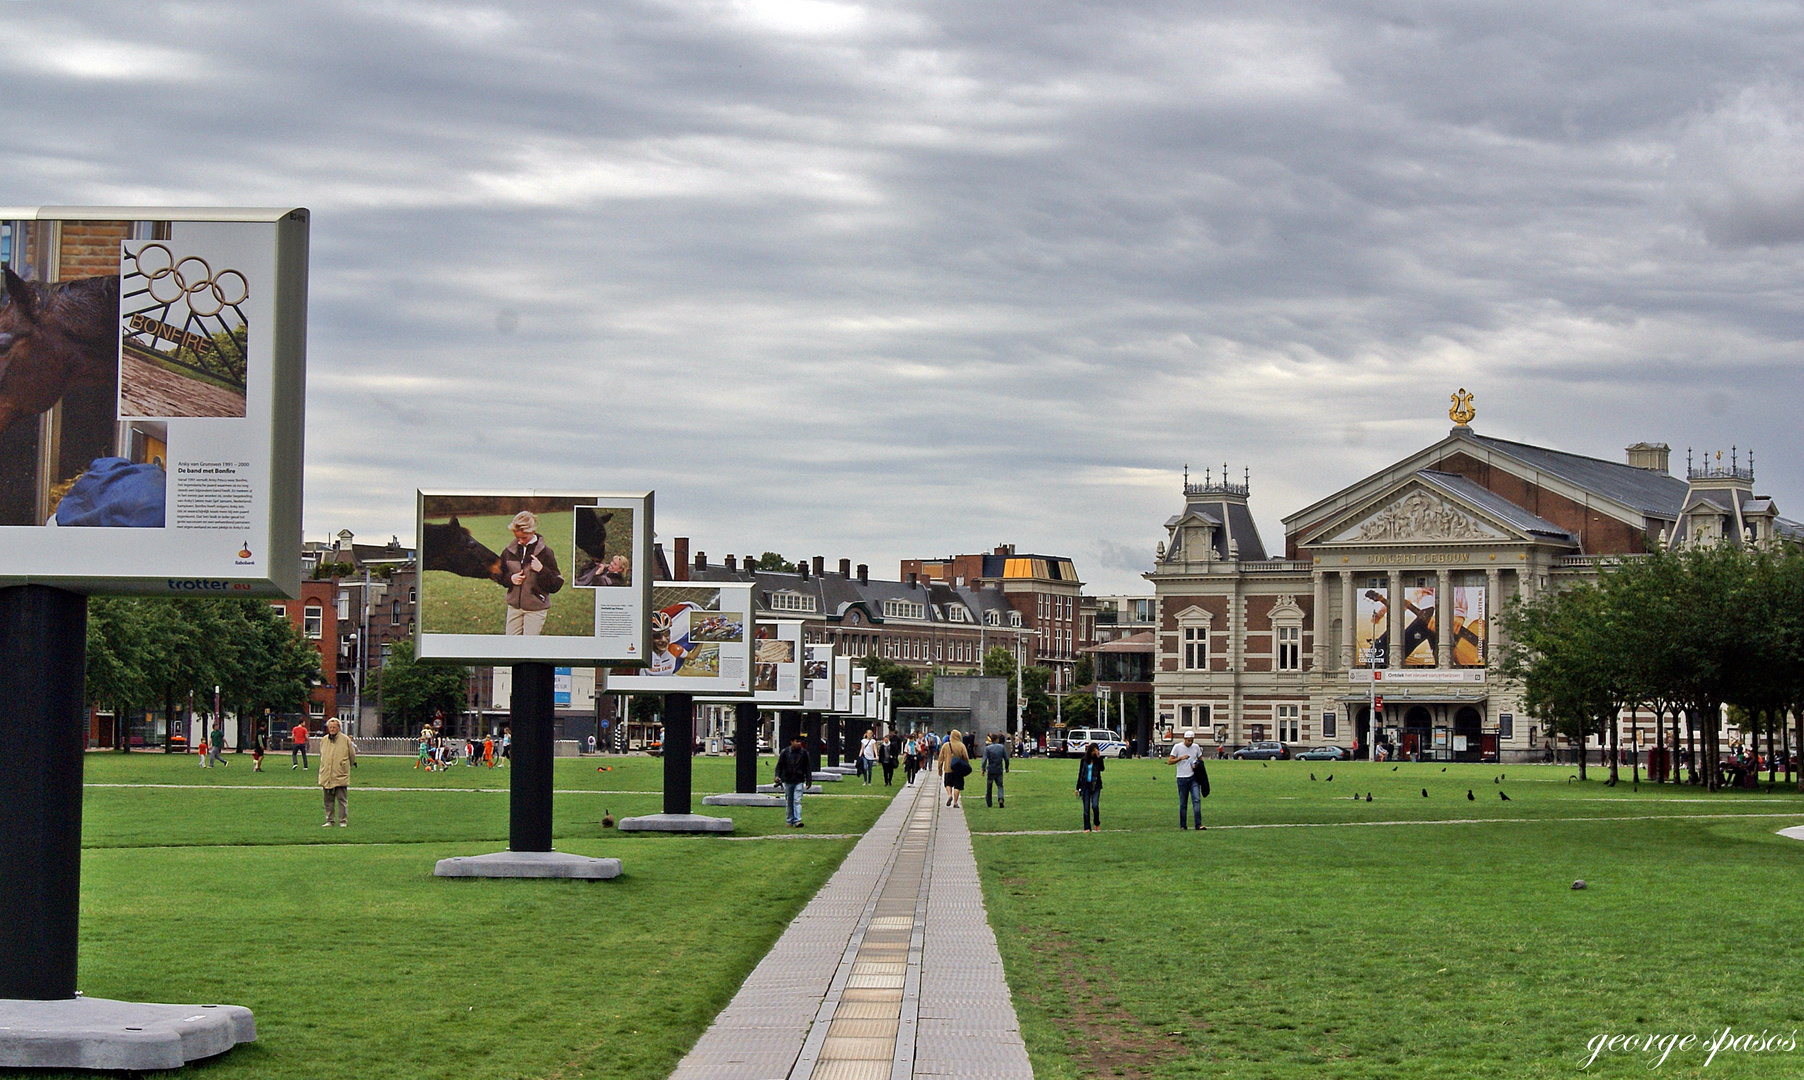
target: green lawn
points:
(357, 961)
(1320, 936)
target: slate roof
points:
(1495, 505)
(1655, 493)
(1240, 528)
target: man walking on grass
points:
(1193, 777)
(336, 756)
(995, 763)
(794, 772)
(297, 752)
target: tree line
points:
(1678, 634)
(158, 654)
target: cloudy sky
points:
(911, 279)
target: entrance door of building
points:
(1362, 731)
(1418, 733)
(1470, 723)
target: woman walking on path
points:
(955, 765)
(1089, 786)
(892, 749)
(867, 756)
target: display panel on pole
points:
(152, 391)
(776, 663)
(817, 685)
(855, 691)
(509, 577)
(701, 641)
(842, 684)
(871, 686)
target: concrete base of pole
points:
(811, 789)
(741, 798)
(676, 823)
(528, 864)
(97, 1033)
(828, 776)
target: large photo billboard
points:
(1420, 636)
(842, 684)
(817, 682)
(507, 577)
(701, 642)
(152, 390)
(1470, 624)
(777, 663)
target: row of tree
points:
(162, 654)
(1689, 633)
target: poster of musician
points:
(1469, 625)
(1371, 623)
(1420, 636)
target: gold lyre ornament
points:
(1462, 411)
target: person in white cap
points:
(530, 575)
(1193, 777)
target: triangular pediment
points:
(1414, 513)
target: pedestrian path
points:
(890, 972)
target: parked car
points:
(1109, 742)
(1324, 753)
(1261, 751)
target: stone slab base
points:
(828, 777)
(97, 1033)
(676, 823)
(812, 789)
(740, 798)
(528, 864)
(1796, 832)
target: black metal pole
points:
(43, 657)
(531, 710)
(832, 742)
(745, 748)
(789, 724)
(812, 725)
(679, 744)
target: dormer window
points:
(792, 601)
(1014, 618)
(903, 609)
(992, 618)
(957, 613)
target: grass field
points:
(1309, 934)
(219, 885)
(450, 604)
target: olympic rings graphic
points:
(192, 277)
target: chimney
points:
(1650, 456)
(701, 560)
(820, 566)
(802, 569)
(732, 565)
(750, 562)
(845, 568)
(680, 565)
(864, 574)
(1004, 549)
(912, 579)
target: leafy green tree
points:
(1083, 673)
(116, 676)
(906, 689)
(775, 563)
(411, 693)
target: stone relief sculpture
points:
(1421, 516)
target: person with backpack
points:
(1089, 786)
(955, 765)
(794, 771)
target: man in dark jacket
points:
(995, 763)
(793, 772)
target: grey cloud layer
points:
(908, 279)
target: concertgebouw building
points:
(1256, 646)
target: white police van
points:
(1109, 742)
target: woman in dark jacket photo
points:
(1089, 786)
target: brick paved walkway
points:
(890, 972)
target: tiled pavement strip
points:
(890, 972)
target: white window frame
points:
(785, 600)
(280, 609)
(1289, 721)
(313, 622)
(903, 609)
(1193, 645)
(1287, 646)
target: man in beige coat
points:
(336, 756)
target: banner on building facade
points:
(1470, 624)
(701, 642)
(152, 383)
(817, 686)
(1420, 634)
(1371, 621)
(507, 577)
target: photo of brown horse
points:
(54, 338)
